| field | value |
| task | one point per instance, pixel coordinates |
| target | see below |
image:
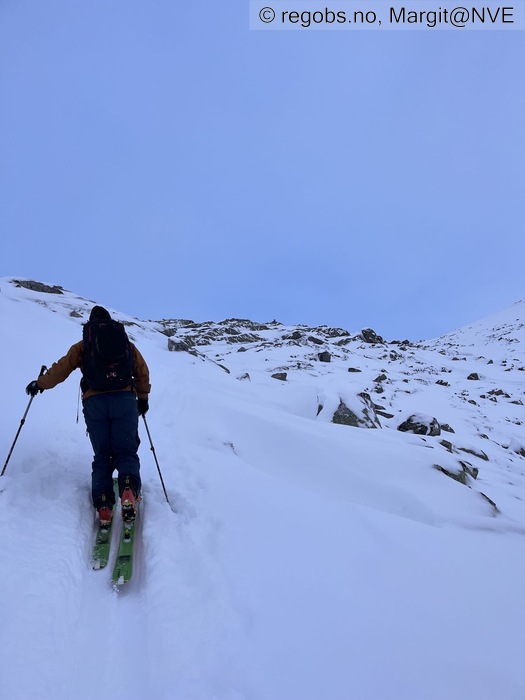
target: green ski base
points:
(123, 570)
(101, 548)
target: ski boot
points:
(105, 513)
(129, 505)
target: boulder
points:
(461, 474)
(420, 424)
(177, 345)
(361, 415)
(296, 335)
(370, 336)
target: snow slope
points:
(299, 559)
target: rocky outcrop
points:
(177, 345)
(344, 416)
(420, 424)
(461, 474)
(370, 336)
(363, 414)
(39, 287)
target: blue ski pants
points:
(112, 422)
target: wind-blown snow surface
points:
(301, 560)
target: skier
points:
(115, 388)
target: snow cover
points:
(300, 560)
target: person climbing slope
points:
(115, 388)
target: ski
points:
(123, 569)
(101, 548)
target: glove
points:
(33, 389)
(143, 406)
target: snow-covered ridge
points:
(312, 537)
(502, 329)
(470, 383)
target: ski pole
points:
(42, 370)
(156, 460)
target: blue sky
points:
(169, 162)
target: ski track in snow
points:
(67, 611)
(299, 559)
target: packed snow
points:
(297, 559)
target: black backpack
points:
(107, 362)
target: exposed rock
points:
(331, 332)
(474, 376)
(177, 345)
(239, 331)
(246, 323)
(499, 392)
(370, 336)
(245, 377)
(474, 452)
(469, 469)
(380, 378)
(296, 335)
(465, 471)
(460, 475)
(420, 424)
(517, 447)
(280, 375)
(39, 287)
(171, 325)
(442, 382)
(446, 427)
(238, 337)
(490, 501)
(366, 418)
(316, 341)
(324, 356)
(354, 369)
(447, 445)
(344, 416)
(369, 411)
